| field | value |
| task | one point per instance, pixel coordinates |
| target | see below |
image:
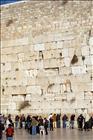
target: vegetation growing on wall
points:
(74, 59)
(23, 105)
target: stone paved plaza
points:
(57, 134)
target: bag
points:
(9, 132)
(46, 123)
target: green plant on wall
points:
(23, 105)
(74, 59)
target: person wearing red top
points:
(9, 132)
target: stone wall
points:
(47, 57)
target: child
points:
(9, 132)
(41, 129)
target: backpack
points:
(9, 132)
(46, 123)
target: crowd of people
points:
(41, 125)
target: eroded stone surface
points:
(37, 48)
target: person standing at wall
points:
(9, 132)
(51, 123)
(64, 119)
(46, 126)
(58, 120)
(72, 120)
(16, 121)
(54, 120)
(80, 121)
(1, 129)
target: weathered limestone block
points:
(7, 67)
(29, 65)
(66, 110)
(15, 66)
(47, 54)
(50, 45)
(18, 49)
(78, 51)
(83, 104)
(65, 70)
(85, 50)
(73, 104)
(13, 108)
(39, 64)
(24, 81)
(14, 90)
(67, 62)
(56, 53)
(58, 97)
(39, 47)
(88, 60)
(53, 88)
(20, 66)
(59, 45)
(43, 82)
(65, 105)
(7, 75)
(12, 58)
(19, 75)
(8, 90)
(16, 42)
(91, 41)
(7, 50)
(50, 63)
(18, 98)
(2, 68)
(78, 79)
(71, 51)
(75, 87)
(84, 86)
(13, 83)
(88, 95)
(51, 72)
(28, 73)
(38, 39)
(76, 70)
(65, 52)
(30, 55)
(35, 104)
(21, 57)
(91, 50)
(71, 97)
(79, 96)
(3, 58)
(48, 97)
(33, 89)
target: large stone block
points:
(85, 51)
(16, 42)
(67, 62)
(88, 60)
(49, 63)
(39, 47)
(33, 89)
(88, 96)
(77, 70)
(12, 58)
(65, 52)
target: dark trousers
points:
(58, 123)
(46, 132)
(51, 126)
